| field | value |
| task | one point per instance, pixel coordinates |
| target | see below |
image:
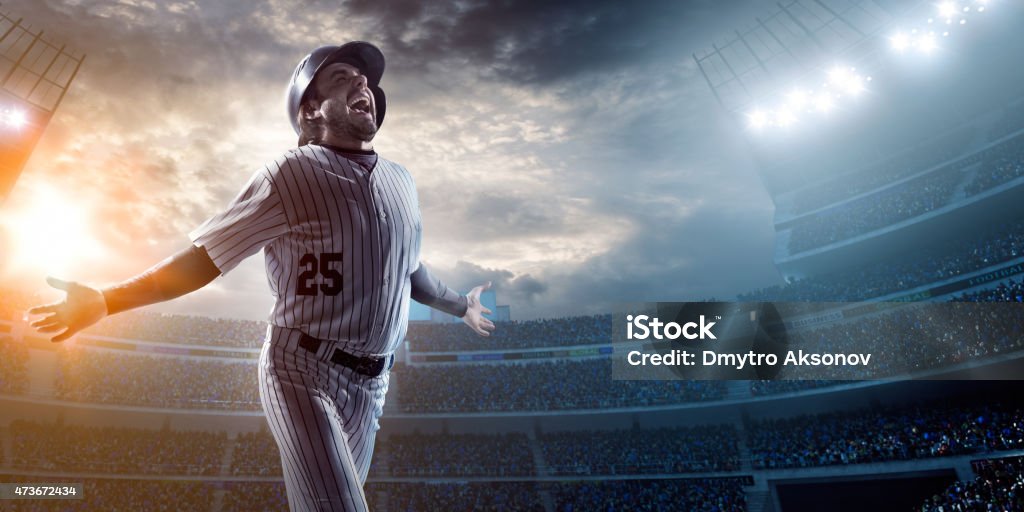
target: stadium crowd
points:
(778, 387)
(478, 497)
(1002, 164)
(417, 454)
(696, 495)
(88, 375)
(692, 495)
(903, 201)
(255, 454)
(85, 375)
(150, 326)
(255, 497)
(642, 451)
(854, 437)
(989, 246)
(997, 165)
(14, 303)
(550, 332)
(115, 449)
(915, 338)
(926, 155)
(182, 329)
(541, 386)
(13, 367)
(999, 486)
(1011, 290)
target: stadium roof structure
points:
(34, 68)
(35, 74)
(793, 41)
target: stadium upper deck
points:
(879, 128)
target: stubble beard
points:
(358, 128)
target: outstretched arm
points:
(430, 291)
(183, 273)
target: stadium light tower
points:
(35, 74)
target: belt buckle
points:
(370, 366)
(365, 367)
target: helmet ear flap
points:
(380, 102)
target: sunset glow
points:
(51, 232)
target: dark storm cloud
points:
(504, 215)
(521, 290)
(542, 41)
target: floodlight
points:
(947, 9)
(900, 41)
(15, 118)
(758, 119)
(846, 80)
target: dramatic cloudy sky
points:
(570, 152)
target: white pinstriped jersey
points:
(340, 244)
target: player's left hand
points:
(81, 307)
(474, 316)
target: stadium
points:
(914, 233)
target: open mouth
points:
(361, 105)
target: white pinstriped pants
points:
(324, 417)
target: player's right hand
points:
(82, 306)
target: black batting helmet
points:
(365, 56)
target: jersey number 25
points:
(309, 266)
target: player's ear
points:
(310, 109)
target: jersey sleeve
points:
(253, 219)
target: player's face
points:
(347, 103)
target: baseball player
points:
(340, 229)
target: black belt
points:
(369, 366)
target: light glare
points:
(846, 80)
(758, 119)
(823, 103)
(843, 80)
(785, 117)
(15, 118)
(797, 99)
(51, 231)
(900, 41)
(927, 43)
